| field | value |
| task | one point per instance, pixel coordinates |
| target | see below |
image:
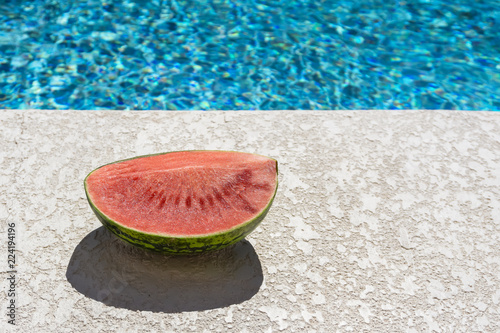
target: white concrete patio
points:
(384, 221)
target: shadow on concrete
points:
(116, 273)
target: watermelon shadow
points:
(116, 273)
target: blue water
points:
(250, 54)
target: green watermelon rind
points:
(180, 245)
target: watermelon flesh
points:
(183, 202)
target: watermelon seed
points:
(225, 189)
(250, 209)
(246, 205)
(264, 187)
(219, 197)
(162, 201)
(210, 200)
(244, 177)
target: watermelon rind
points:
(180, 245)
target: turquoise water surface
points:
(250, 54)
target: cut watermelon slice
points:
(183, 202)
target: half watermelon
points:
(183, 202)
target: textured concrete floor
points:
(383, 222)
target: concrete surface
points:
(385, 221)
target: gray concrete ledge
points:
(385, 221)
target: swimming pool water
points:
(250, 54)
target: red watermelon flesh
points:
(185, 193)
